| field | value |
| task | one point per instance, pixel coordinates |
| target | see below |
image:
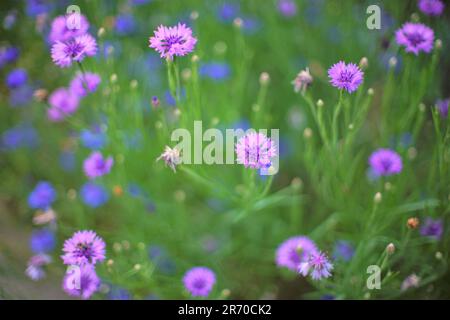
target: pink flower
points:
(173, 41)
(96, 166)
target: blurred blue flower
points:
(125, 24)
(243, 124)
(216, 71)
(159, 256)
(21, 96)
(94, 195)
(118, 293)
(228, 11)
(37, 7)
(16, 78)
(251, 25)
(170, 100)
(343, 250)
(21, 136)
(67, 161)
(134, 190)
(93, 138)
(8, 55)
(139, 2)
(42, 196)
(133, 140)
(42, 241)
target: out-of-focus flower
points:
(173, 41)
(294, 251)
(83, 283)
(44, 217)
(94, 195)
(8, 55)
(118, 293)
(76, 49)
(42, 196)
(432, 228)
(63, 102)
(171, 157)
(37, 7)
(84, 247)
(412, 223)
(162, 260)
(317, 266)
(125, 24)
(348, 77)
(216, 71)
(42, 241)
(199, 281)
(61, 29)
(20, 136)
(431, 7)
(255, 150)
(302, 80)
(16, 78)
(287, 8)
(415, 37)
(343, 250)
(35, 267)
(228, 11)
(93, 138)
(442, 106)
(385, 162)
(21, 96)
(96, 165)
(412, 281)
(86, 83)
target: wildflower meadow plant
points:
(232, 150)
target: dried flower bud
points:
(390, 249)
(378, 197)
(412, 223)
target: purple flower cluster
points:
(415, 37)
(432, 228)
(63, 102)
(199, 281)
(35, 267)
(442, 107)
(345, 76)
(385, 162)
(82, 252)
(96, 165)
(431, 7)
(85, 83)
(255, 150)
(173, 41)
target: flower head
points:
(96, 166)
(85, 247)
(83, 282)
(94, 195)
(171, 157)
(302, 81)
(385, 162)
(76, 49)
(431, 7)
(199, 281)
(42, 241)
(412, 281)
(63, 102)
(287, 8)
(432, 228)
(415, 37)
(347, 77)
(35, 270)
(317, 266)
(83, 84)
(173, 41)
(61, 29)
(16, 78)
(294, 251)
(42, 196)
(442, 106)
(343, 250)
(94, 138)
(255, 150)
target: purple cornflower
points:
(63, 102)
(173, 41)
(155, 102)
(431, 7)
(411, 281)
(199, 281)
(347, 77)
(255, 150)
(432, 228)
(287, 8)
(35, 270)
(415, 37)
(442, 106)
(82, 282)
(294, 251)
(385, 162)
(85, 247)
(302, 81)
(16, 78)
(83, 84)
(343, 250)
(60, 31)
(96, 166)
(64, 53)
(317, 266)
(94, 195)
(42, 241)
(171, 157)
(42, 196)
